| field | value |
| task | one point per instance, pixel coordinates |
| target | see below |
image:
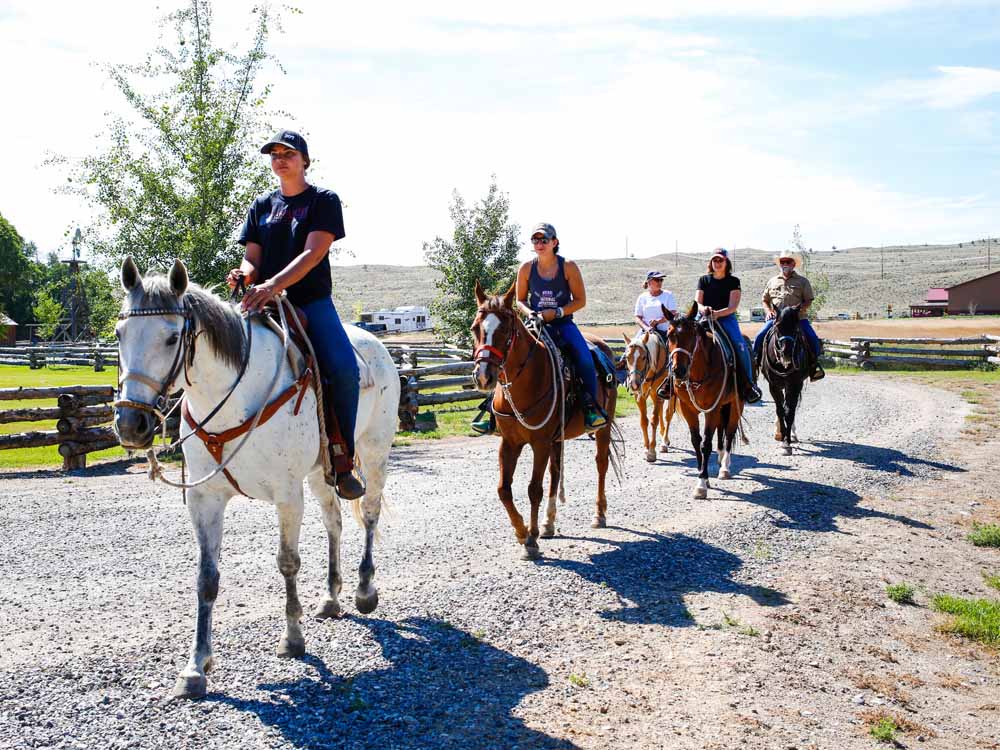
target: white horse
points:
(646, 357)
(173, 334)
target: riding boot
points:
(347, 484)
(749, 391)
(485, 422)
(594, 417)
(666, 391)
(818, 373)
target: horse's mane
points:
(220, 322)
(788, 317)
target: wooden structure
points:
(869, 353)
(979, 296)
(8, 331)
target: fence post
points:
(98, 361)
(36, 360)
(407, 402)
(864, 355)
(67, 408)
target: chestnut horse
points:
(646, 358)
(704, 383)
(529, 401)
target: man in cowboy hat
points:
(787, 289)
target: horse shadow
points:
(443, 688)
(873, 458)
(740, 462)
(810, 506)
(652, 575)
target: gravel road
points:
(470, 647)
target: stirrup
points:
(753, 394)
(348, 486)
(666, 391)
(484, 426)
(818, 374)
(594, 418)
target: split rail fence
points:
(97, 356)
(869, 353)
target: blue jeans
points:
(565, 333)
(732, 328)
(807, 329)
(336, 363)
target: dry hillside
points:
(856, 278)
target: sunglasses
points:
(540, 240)
(280, 155)
(718, 260)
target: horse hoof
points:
(291, 649)
(779, 437)
(329, 609)
(548, 531)
(190, 686)
(651, 456)
(725, 475)
(700, 493)
(366, 603)
(531, 552)
(665, 448)
(600, 522)
(786, 449)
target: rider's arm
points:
(699, 297)
(317, 246)
(766, 299)
(734, 304)
(638, 315)
(253, 256)
(523, 277)
(576, 288)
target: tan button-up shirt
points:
(787, 292)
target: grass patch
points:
(985, 535)
(579, 680)
(762, 551)
(901, 593)
(884, 725)
(992, 581)
(885, 686)
(15, 376)
(978, 619)
(884, 730)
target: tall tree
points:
(16, 286)
(818, 279)
(483, 247)
(175, 180)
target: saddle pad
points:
(606, 370)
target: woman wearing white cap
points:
(648, 310)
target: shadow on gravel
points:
(741, 461)
(809, 506)
(651, 575)
(874, 458)
(113, 468)
(443, 689)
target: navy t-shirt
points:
(717, 290)
(280, 224)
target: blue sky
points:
(706, 123)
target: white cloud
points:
(955, 87)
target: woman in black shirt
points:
(718, 297)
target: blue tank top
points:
(548, 294)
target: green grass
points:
(931, 376)
(15, 376)
(901, 593)
(978, 619)
(579, 680)
(985, 535)
(992, 581)
(884, 730)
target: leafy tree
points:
(483, 247)
(176, 179)
(15, 274)
(48, 312)
(818, 279)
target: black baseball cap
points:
(288, 138)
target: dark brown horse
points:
(786, 362)
(529, 401)
(704, 384)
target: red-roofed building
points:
(979, 296)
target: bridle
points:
(690, 386)
(491, 354)
(639, 375)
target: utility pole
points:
(626, 246)
(676, 257)
(988, 241)
(881, 251)
(734, 256)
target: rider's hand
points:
(233, 277)
(771, 314)
(259, 295)
(548, 315)
(706, 311)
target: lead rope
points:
(156, 471)
(725, 373)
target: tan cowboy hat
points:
(794, 257)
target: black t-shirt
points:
(717, 290)
(280, 224)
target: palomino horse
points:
(529, 395)
(785, 363)
(646, 358)
(704, 383)
(227, 381)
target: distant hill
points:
(856, 282)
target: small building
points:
(8, 331)
(979, 296)
(405, 318)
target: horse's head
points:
(682, 341)
(787, 325)
(494, 331)
(152, 333)
(639, 360)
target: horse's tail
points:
(742, 426)
(616, 451)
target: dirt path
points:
(754, 619)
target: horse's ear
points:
(508, 298)
(693, 310)
(480, 294)
(131, 278)
(178, 277)
(666, 313)
(628, 341)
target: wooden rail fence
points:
(869, 353)
(97, 356)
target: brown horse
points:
(704, 383)
(529, 401)
(646, 358)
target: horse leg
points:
(670, 407)
(725, 444)
(509, 454)
(706, 454)
(778, 394)
(794, 392)
(207, 513)
(603, 458)
(647, 443)
(555, 472)
(657, 422)
(540, 459)
(292, 643)
(329, 505)
(366, 595)
(701, 491)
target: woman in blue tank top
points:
(552, 287)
